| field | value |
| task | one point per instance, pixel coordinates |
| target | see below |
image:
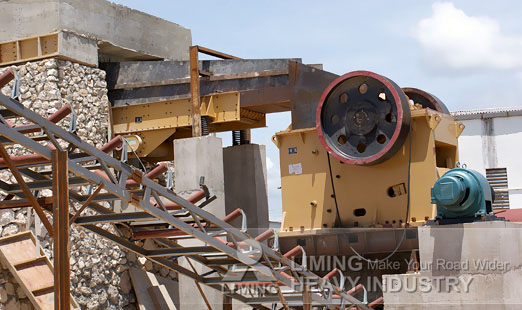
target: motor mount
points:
(363, 118)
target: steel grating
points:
(236, 260)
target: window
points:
(497, 178)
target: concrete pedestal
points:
(245, 179)
(194, 158)
(465, 266)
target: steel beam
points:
(62, 284)
(194, 92)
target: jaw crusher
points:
(370, 162)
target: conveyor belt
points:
(236, 259)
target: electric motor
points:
(462, 193)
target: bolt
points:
(343, 98)
(363, 88)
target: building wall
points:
(495, 143)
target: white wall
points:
(495, 143)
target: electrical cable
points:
(407, 208)
(333, 191)
(134, 152)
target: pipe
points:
(376, 302)
(30, 159)
(233, 215)
(6, 77)
(111, 145)
(331, 274)
(260, 238)
(131, 183)
(54, 118)
(175, 206)
(60, 114)
(154, 173)
(293, 252)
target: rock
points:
(125, 283)
(10, 289)
(93, 304)
(113, 294)
(6, 217)
(164, 272)
(142, 260)
(102, 297)
(12, 305)
(52, 72)
(85, 291)
(24, 305)
(9, 230)
(3, 295)
(20, 292)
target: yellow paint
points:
(307, 200)
(158, 123)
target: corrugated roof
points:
(487, 113)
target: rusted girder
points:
(6, 77)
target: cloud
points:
(269, 163)
(454, 41)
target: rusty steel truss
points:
(60, 161)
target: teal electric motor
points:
(462, 193)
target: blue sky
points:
(467, 53)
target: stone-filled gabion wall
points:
(99, 269)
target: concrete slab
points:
(135, 32)
(245, 184)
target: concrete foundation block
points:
(245, 184)
(200, 157)
(195, 158)
(464, 266)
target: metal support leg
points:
(194, 92)
(62, 285)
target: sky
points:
(467, 53)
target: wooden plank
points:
(31, 268)
(36, 275)
(18, 248)
(161, 298)
(142, 281)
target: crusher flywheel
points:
(363, 118)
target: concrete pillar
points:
(193, 158)
(245, 179)
(196, 157)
